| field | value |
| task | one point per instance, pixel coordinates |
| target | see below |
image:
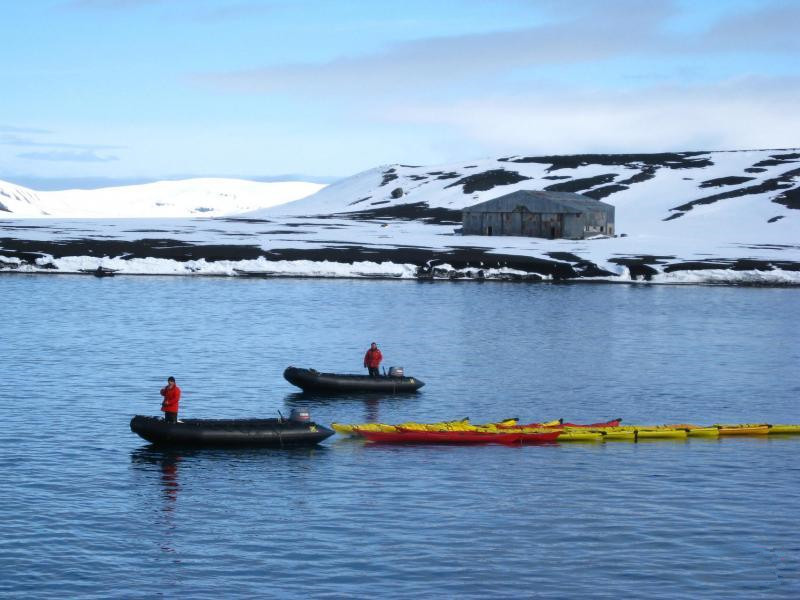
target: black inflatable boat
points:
(314, 381)
(268, 433)
(99, 272)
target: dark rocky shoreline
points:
(466, 262)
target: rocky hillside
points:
(709, 217)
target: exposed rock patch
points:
(483, 182)
(389, 175)
(607, 190)
(643, 175)
(783, 181)
(584, 183)
(723, 181)
(789, 198)
(671, 160)
(419, 211)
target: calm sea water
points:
(88, 510)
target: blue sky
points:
(143, 89)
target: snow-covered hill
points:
(16, 200)
(647, 189)
(724, 217)
(692, 210)
(206, 197)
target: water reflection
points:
(169, 480)
(166, 461)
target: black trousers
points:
(170, 417)
(373, 371)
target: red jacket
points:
(172, 397)
(373, 358)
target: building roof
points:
(540, 202)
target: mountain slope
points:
(16, 200)
(647, 189)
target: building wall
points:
(597, 223)
(544, 225)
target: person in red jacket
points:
(372, 359)
(172, 396)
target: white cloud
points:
(414, 66)
(16, 129)
(587, 33)
(737, 114)
(772, 27)
(16, 140)
(67, 156)
(110, 4)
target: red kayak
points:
(540, 438)
(440, 437)
(410, 436)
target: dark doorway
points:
(552, 233)
(489, 230)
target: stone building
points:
(541, 214)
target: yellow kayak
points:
(703, 432)
(373, 427)
(784, 429)
(575, 434)
(581, 435)
(616, 434)
(661, 433)
(460, 425)
(744, 429)
(632, 433)
(696, 430)
(354, 430)
(344, 428)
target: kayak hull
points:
(457, 437)
(581, 436)
(611, 423)
(439, 437)
(784, 429)
(544, 437)
(703, 432)
(661, 434)
(618, 435)
(559, 425)
(231, 433)
(743, 429)
(310, 380)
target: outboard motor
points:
(395, 371)
(300, 415)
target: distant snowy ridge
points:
(16, 200)
(199, 197)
